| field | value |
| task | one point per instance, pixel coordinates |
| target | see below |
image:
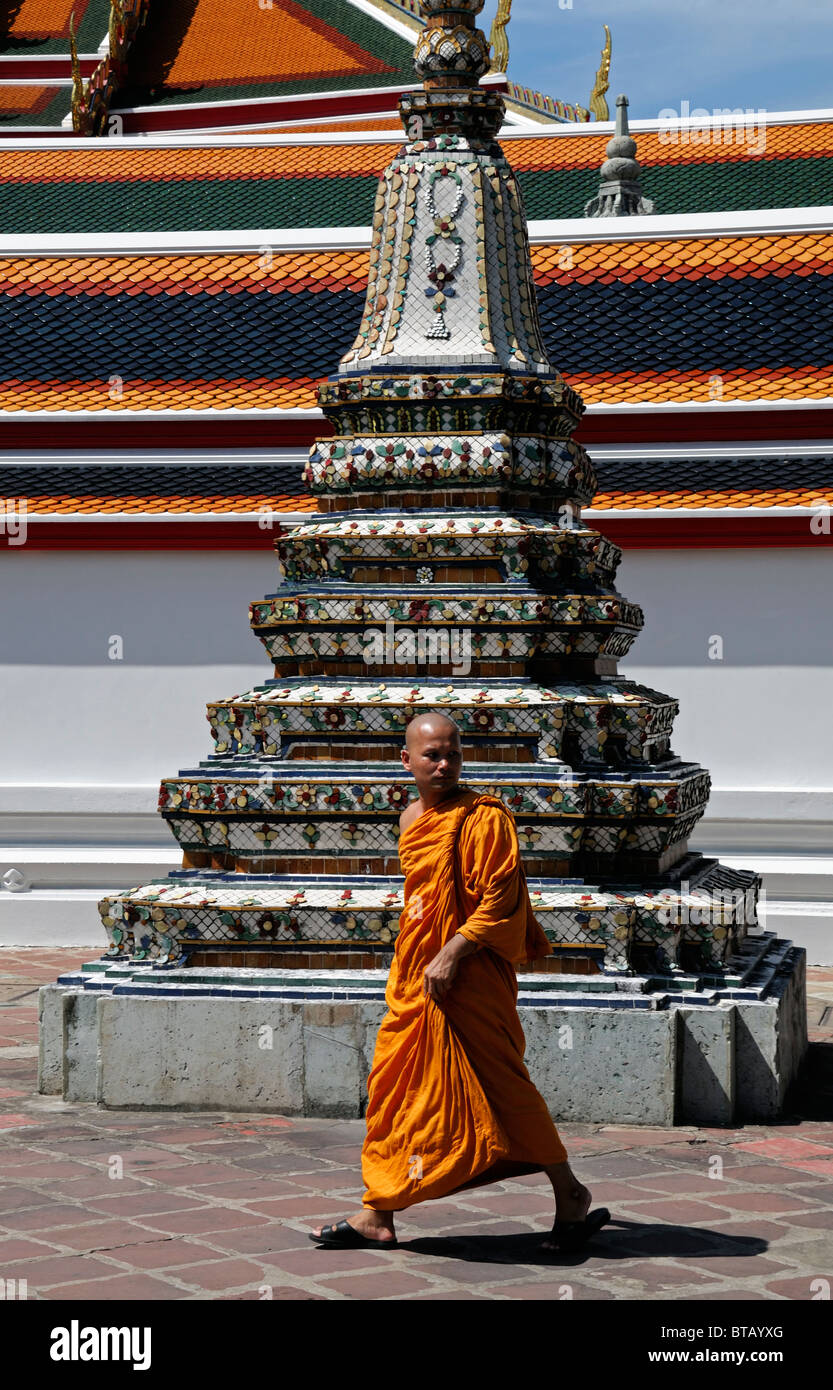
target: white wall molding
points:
(570, 230)
(220, 138)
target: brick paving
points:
(218, 1205)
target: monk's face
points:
(433, 756)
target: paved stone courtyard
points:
(216, 1205)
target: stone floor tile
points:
(199, 1220)
(451, 1296)
(105, 1235)
(337, 1180)
(222, 1274)
(98, 1186)
(64, 1269)
(657, 1274)
(802, 1286)
(311, 1206)
(537, 1293)
(50, 1216)
(682, 1213)
(509, 1204)
(349, 1156)
(686, 1183)
(764, 1174)
(819, 1167)
(262, 1239)
(784, 1147)
(726, 1296)
(193, 1174)
(280, 1294)
(819, 1192)
(161, 1254)
(120, 1286)
(813, 1253)
(38, 1168)
(478, 1272)
(483, 1228)
(442, 1217)
(247, 1190)
(680, 1157)
(286, 1165)
(608, 1191)
(761, 1201)
(619, 1166)
(636, 1136)
(381, 1284)
(184, 1134)
(822, 1219)
(143, 1204)
(19, 1198)
(231, 1148)
(12, 1250)
(315, 1260)
(734, 1266)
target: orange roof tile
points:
(44, 19)
(276, 42)
(173, 502)
(714, 498)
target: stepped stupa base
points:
(708, 1048)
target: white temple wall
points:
(88, 731)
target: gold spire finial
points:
(598, 105)
(498, 38)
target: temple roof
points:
(106, 186)
(34, 103)
(40, 28)
(204, 63)
(187, 283)
(688, 481)
(688, 319)
(205, 51)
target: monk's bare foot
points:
(375, 1225)
(572, 1206)
(572, 1198)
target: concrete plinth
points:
(604, 1051)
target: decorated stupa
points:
(448, 568)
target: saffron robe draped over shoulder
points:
(448, 1094)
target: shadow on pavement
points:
(620, 1240)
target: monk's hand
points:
(438, 976)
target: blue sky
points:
(770, 55)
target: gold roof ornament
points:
(499, 38)
(598, 105)
(80, 112)
(116, 30)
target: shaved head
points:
(433, 721)
(432, 755)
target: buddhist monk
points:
(450, 1102)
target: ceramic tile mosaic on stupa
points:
(448, 569)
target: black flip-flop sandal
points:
(574, 1235)
(343, 1236)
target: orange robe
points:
(448, 1093)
